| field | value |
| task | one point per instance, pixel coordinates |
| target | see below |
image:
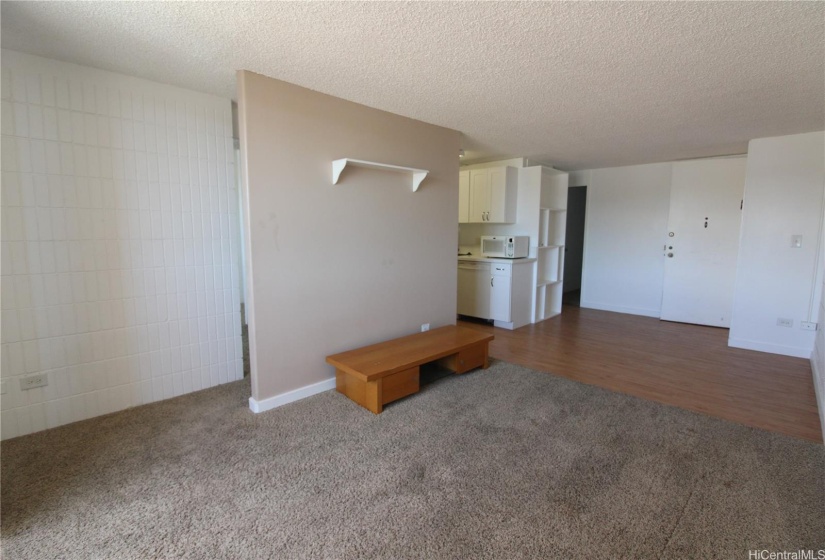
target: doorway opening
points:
(574, 245)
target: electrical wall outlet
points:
(32, 381)
(807, 325)
(425, 327)
(784, 322)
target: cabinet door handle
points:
(491, 282)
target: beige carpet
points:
(505, 463)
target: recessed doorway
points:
(574, 245)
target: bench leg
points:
(374, 398)
(367, 394)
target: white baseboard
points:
(793, 351)
(820, 394)
(621, 309)
(290, 396)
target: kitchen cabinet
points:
(500, 292)
(497, 291)
(488, 195)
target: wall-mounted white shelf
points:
(338, 166)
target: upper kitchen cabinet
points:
(488, 195)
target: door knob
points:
(670, 255)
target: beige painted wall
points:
(334, 267)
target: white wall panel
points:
(119, 268)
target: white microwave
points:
(505, 247)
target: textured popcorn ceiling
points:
(576, 85)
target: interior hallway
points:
(688, 366)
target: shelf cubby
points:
(552, 222)
(548, 261)
(544, 227)
(540, 302)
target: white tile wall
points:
(119, 242)
(818, 359)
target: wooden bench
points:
(375, 375)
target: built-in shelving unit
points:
(550, 249)
(338, 166)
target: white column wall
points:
(119, 242)
(783, 197)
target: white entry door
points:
(702, 241)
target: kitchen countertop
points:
(478, 258)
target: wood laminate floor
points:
(688, 366)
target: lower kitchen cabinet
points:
(497, 291)
(500, 292)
